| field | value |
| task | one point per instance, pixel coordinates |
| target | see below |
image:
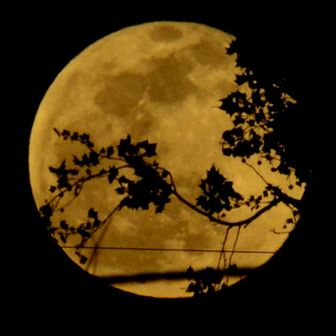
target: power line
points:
(145, 277)
(166, 249)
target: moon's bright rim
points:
(159, 81)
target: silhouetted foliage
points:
(266, 122)
(203, 282)
(258, 110)
(152, 186)
(218, 193)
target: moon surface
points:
(160, 81)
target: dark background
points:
(286, 41)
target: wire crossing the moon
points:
(166, 249)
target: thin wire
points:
(165, 249)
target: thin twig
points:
(244, 222)
(71, 200)
(222, 252)
(222, 255)
(81, 181)
(234, 245)
(256, 171)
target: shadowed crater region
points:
(165, 34)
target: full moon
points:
(161, 82)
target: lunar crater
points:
(165, 33)
(206, 52)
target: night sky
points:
(286, 41)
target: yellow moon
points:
(159, 81)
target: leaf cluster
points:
(261, 120)
(203, 282)
(84, 231)
(218, 194)
(152, 185)
(139, 182)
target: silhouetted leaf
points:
(46, 210)
(73, 172)
(229, 138)
(160, 206)
(113, 173)
(235, 102)
(218, 193)
(109, 151)
(76, 161)
(74, 136)
(120, 190)
(190, 273)
(83, 259)
(194, 288)
(65, 134)
(149, 149)
(227, 151)
(201, 201)
(123, 180)
(64, 225)
(93, 158)
(124, 147)
(78, 189)
(64, 183)
(83, 231)
(203, 281)
(238, 120)
(60, 170)
(85, 140)
(84, 137)
(96, 223)
(92, 213)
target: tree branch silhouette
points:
(244, 222)
(140, 183)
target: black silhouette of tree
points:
(258, 116)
